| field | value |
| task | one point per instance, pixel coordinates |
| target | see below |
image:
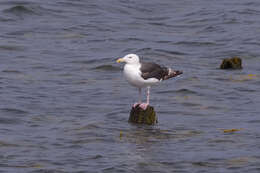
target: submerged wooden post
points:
(231, 63)
(140, 116)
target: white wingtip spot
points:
(169, 71)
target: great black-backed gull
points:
(144, 74)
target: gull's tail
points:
(171, 73)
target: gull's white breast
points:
(132, 74)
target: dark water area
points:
(65, 105)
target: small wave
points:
(170, 52)
(164, 41)
(248, 11)
(9, 121)
(153, 18)
(254, 121)
(88, 127)
(166, 91)
(181, 91)
(222, 140)
(30, 9)
(159, 24)
(90, 61)
(133, 39)
(20, 9)
(107, 68)
(11, 48)
(144, 49)
(212, 29)
(13, 110)
(3, 19)
(71, 36)
(26, 166)
(6, 144)
(204, 164)
(12, 71)
(194, 43)
(98, 156)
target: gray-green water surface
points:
(64, 104)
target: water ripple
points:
(63, 110)
(13, 111)
(20, 10)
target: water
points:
(65, 105)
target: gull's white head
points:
(129, 59)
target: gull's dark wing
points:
(153, 70)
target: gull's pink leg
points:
(140, 97)
(148, 95)
(144, 105)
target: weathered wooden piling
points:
(231, 63)
(140, 116)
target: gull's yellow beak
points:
(120, 60)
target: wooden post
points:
(231, 63)
(140, 116)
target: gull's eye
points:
(130, 57)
